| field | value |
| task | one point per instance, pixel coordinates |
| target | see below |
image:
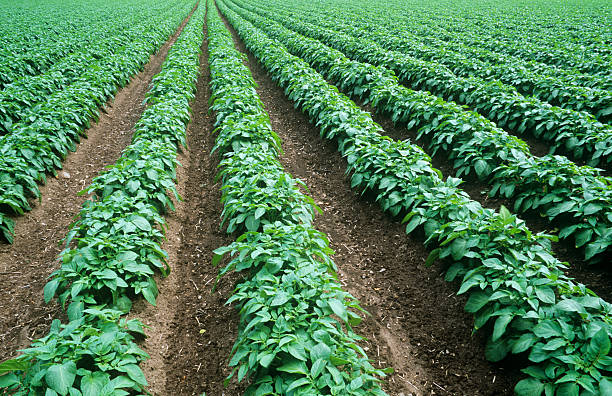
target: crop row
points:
(288, 341)
(575, 197)
(33, 38)
(572, 57)
(528, 69)
(574, 41)
(517, 289)
(597, 101)
(576, 133)
(38, 145)
(577, 39)
(18, 100)
(113, 250)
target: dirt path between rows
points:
(417, 326)
(191, 330)
(26, 264)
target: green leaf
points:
(599, 345)
(568, 389)
(135, 373)
(338, 308)
(500, 326)
(295, 367)
(297, 383)
(570, 305)
(317, 367)
(13, 365)
(561, 208)
(414, 222)
(49, 289)
(320, 351)
(476, 301)
(481, 167)
(259, 212)
(267, 359)
(433, 256)
(496, 350)
(251, 223)
(529, 387)
(504, 213)
(357, 383)
(141, 223)
(605, 386)
(523, 343)
(60, 377)
(546, 294)
(8, 380)
(75, 310)
(92, 384)
(458, 248)
(297, 351)
(280, 298)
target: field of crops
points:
(265, 197)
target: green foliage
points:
(516, 287)
(51, 121)
(569, 131)
(295, 334)
(473, 143)
(113, 250)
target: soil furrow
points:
(26, 264)
(417, 324)
(191, 329)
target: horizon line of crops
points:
(574, 197)
(578, 35)
(518, 292)
(36, 38)
(113, 250)
(578, 134)
(39, 145)
(560, 57)
(575, 42)
(19, 100)
(597, 101)
(288, 341)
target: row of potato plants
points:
(114, 249)
(19, 99)
(517, 289)
(575, 41)
(568, 91)
(576, 133)
(295, 334)
(528, 69)
(577, 37)
(584, 56)
(574, 197)
(34, 38)
(465, 63)
(38, 144)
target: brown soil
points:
(26, 264)
(191, 330)
(417, 324)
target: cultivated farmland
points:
(264, 197)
